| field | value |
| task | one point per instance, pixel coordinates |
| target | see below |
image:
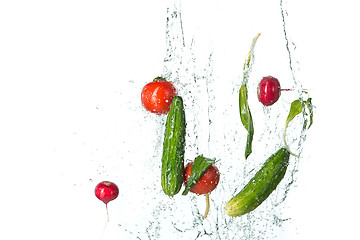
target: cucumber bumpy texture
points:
(260, 186)
(173, 148)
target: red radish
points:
(206, 183)
(268, 90)
(106, 191)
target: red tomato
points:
(268, 90)
(207, 182)
(156, 96)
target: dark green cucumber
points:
(261, 185)
(173, 148)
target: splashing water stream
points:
(214, 130)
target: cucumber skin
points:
(173, 148)
(261, 185)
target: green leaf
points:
(246, 118)
(248, 149)
(310, 108)
(249, 60)
(197, 170)
(245, 114)
(295, 108)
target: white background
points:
(64, 66)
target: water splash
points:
(290, 47)
(214, 129)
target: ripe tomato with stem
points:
(106, 191)
(157, 95)
(206, 183)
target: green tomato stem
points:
(157, 79)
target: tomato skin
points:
(268, 90)
(106, 191)
(156, 96)
(207, 182)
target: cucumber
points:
(261, 185)
(173, 148)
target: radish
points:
(269, 90)
(106, 191)
(207, 182)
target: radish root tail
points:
(207, 196)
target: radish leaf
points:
(197, 170)
(245, 114)
(295, 108)
(249, 60)
(246, 119)
(310, 108)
